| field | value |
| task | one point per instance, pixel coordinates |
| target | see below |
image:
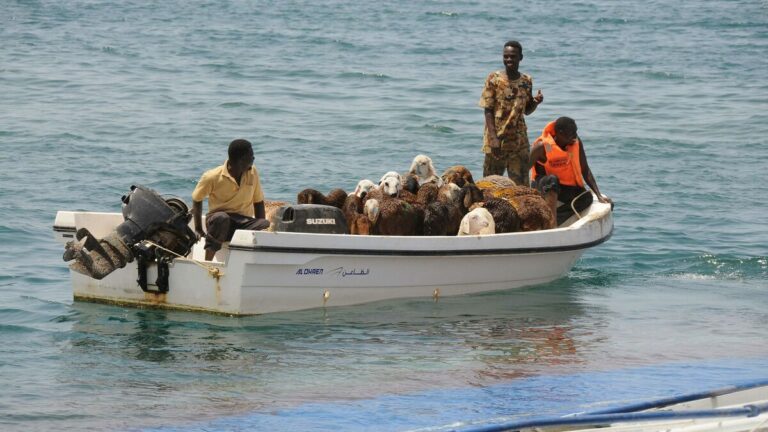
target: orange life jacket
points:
(565, 164)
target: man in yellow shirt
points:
(235, 198)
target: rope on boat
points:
(213, 271)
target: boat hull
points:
(263, 272)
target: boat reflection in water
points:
(200, 365)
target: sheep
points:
(359, 224)
(535, 214)
(270, 209)
(477, 222)
(422, 168)
(393, 216)
(335, 197)
(363, 187)
(391, 184)
(427, 194)
(509, 193)
(495, 182)
(444, 218)
(448, 192)
(411, 183)
(504, 215)
(421, 199)
(458, 174)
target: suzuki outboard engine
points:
(164, 222)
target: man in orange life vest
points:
(560, 169)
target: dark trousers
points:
(221, 226)
(565, 194)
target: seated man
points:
(235, 199)
(560, 168)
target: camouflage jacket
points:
(509, 101)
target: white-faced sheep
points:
(458, 174)
(363, 187)
(422, 168)
(391, 184)
(477, 222)
(335, 197)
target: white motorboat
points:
(739, 408)
(261, 272)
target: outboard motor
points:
(310, 218)
(164, 222)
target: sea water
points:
(671, 99)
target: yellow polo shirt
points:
(224, 194)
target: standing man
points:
(235, 199)
(507, 98)
(560, 169)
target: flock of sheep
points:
(422, 203)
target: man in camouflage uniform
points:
(507, 97)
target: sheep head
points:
(458, 174)
(310, 196)
(372, 210)
(449, 192)
(471, 194)
(391, 184)
(363, 187)
(422, 166)
(477, 222)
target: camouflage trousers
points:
(515, 162)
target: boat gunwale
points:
(427, 252)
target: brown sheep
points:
(448, 192)
(457, 174)
(504, 215)
(410, 183)
(335, 197)
(357, 222)
(427, 194)
(359, 225)
(511, 193)
(535, 214)
(444, 218)
(495, 182)
(393, 216)
(270, 208)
